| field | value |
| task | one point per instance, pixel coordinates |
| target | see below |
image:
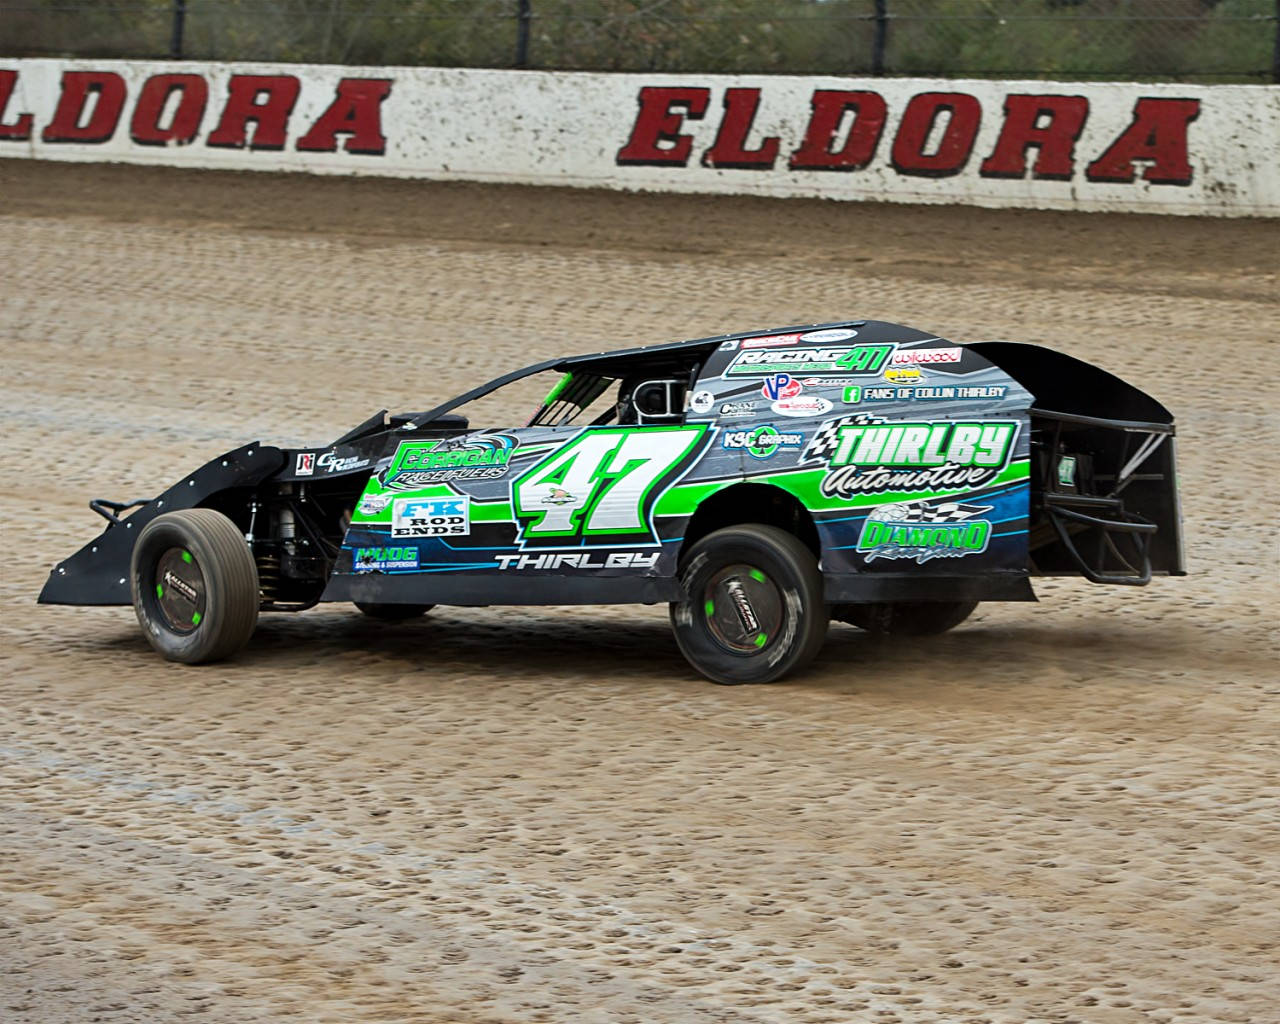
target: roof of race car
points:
(868, 330)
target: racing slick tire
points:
(905, 618)
(393, 612)
(195, 586)
(755, 611)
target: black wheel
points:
(905, 618)
(755, 609)
(195, 586)
(393, 612)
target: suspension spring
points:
(268, 576)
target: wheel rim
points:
(743, 608)
(180, 590)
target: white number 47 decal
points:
(601, 484)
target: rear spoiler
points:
(1104, 482)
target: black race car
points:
(760, 482)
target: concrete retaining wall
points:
(1066, 146)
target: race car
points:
(761, 483)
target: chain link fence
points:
(1170, 40)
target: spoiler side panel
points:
(1090, 428)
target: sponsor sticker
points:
(728, 346)
(474, 457)
(732, 409)
(805, 405)
(920, 531)
(1067, 471)
(924, 356)
(306, 464)
(393, 559)
(780, 385)
(848, 361)
(374, 504)
(903, 375)
(702, 402)
(761, 442)
(771, 341)
(330, 463)
(865, 457)
(830, 336)
(431, 517)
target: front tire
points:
(905, 618)
(195, 586)
(754, 611)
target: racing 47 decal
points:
(600, 488)
(848, 361)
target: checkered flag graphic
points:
(826, 439)
(923, 512)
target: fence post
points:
(1275, 53)
(179, 22)
(881, 31)
(524, 11)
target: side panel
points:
(539, 515)
(911, 453)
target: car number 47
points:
(602, 483)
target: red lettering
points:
(730, 147)
(1052, 124)
(1158, 134)
(267, 101)
(355, 111)
(657, 123)
(20, 129)
(107, 89)
(193, 94)
(829, 107)
(918, 120)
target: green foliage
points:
(1144, 39)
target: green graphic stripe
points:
(491, 511)
(684, 499)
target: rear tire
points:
(905, 618)
(195, 586)
(393, 612)
(755, 611)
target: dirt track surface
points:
(1061, 812)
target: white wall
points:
(1189, 149)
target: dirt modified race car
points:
(761, 482)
